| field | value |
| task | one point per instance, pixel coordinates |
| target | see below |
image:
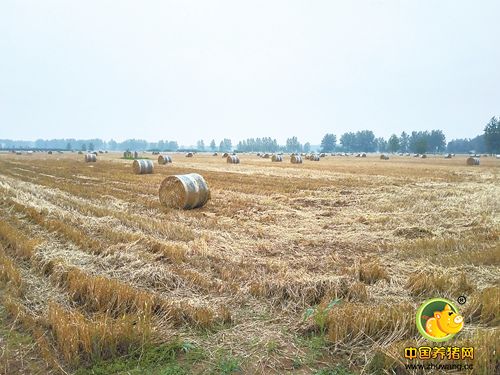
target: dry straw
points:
(233, 159)
(164, 159)
(314, 157)
(384, 157)
(225, 155)
(277, 158)
(89, 158)
(143, 166)
(189, 155)
(184, 191)
(472, 161)
(296, 159)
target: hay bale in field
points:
(363, 155)
(258, 153)
(296, 159)
(447, 156)
(322, 155)
(142, 166)
(314, 157)
(266, 156)
(384, 157)
(358, 155)
(184, 191)
(472, 161)
(225, 155)
(277, 158)
(164, 159)
(90, 158)
(232, 159)
(50, 152)
(189, 155)
(214, 154)
(423, 156)
(80, 152)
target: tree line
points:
(420, 142)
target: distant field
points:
(288, 268)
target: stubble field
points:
(288, 268)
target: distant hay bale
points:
(214, 154)
(277, 158)
(50, 152)
(314, 157)
(384, 157)
(363, 155)
(189, 155)
(127, 155)
(416, 155)
(258, 153)
(322, 155)
(472, 161)
(358, 155)
(142, 166)
(225, 155)
(296, 159)
(266, 156)
(164, 159)
(232, 159)
(184, 191)
(90, 158)
(80, 153)
(447, 156)
(423, 156)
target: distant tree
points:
(436, 141)
(347, 140)
(91, 146)
(421, 145)
(200, 145)
(492, 136)
(112, 145)
(68, 146)
(307, 147)
(293, 145)
(328, 143)
(225, 145)
(213, 146)
(381, 144)
(393, 145)
(404, 141)
(84, 147)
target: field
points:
(311, 269)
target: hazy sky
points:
(188, 70)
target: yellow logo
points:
(438, 320)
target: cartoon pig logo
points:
(444, 323)
(438, 320)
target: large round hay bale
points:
(225, 155)
(189, 155)
(142, 166)
(164, 159)
(296, 159)
(184, 191)
(276, 158)
(232, 159)
(214, 154)
(423, 156)
(384, 157)
(314, 157)
(89, 158)
(50, 152)
(266, 156)
(363, 155)
(472, 161)
(447, 156)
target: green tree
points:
(84, 147)
(91, 146)
(293, 145)
(381, 144)
(436, 141)
(393, 144)
(200, 145)
(307, 147)
(492, 136)
(404, 142)
(213, 146)
(328, 143)
(68, 146)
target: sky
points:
(189, 70)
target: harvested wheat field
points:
(288, 268)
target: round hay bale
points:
(322, 155)
(142, 166)
(233, 159)
(184, 191)
(50, 152)
(384, 157)
(472, 161)
(296, 159)
(276, 158)
(266, 156)
(189, 155)
(447, 156)
(314, 157)
(363, 155)
(164, 159)
(214, 154)
(225, 155)
(423, 156)
(90, 158)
